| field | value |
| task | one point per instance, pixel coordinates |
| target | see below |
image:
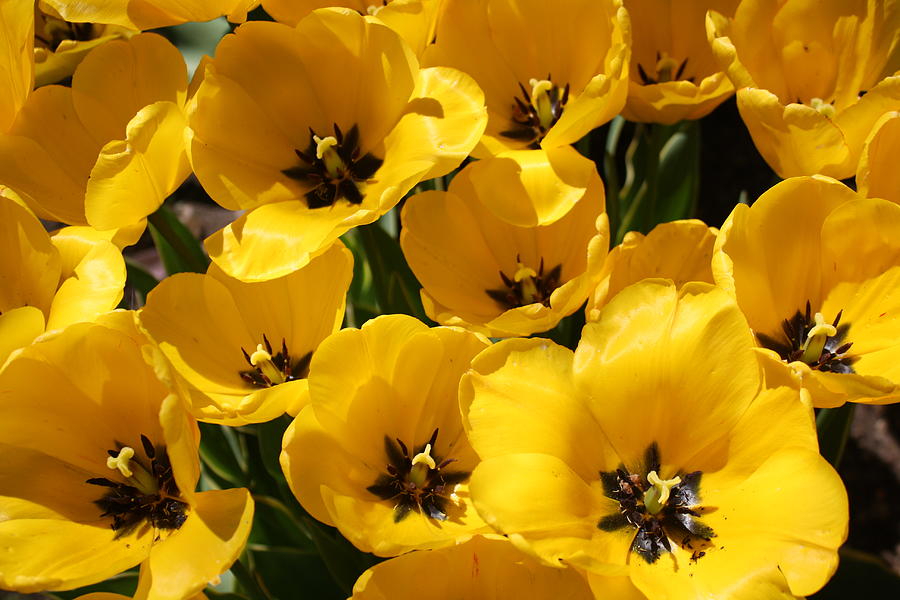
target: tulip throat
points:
(143, 491)
(56, 34)
(270, 368)
(419, 482)
(809, 338)
(334, 169)
(662, 512)
(535, 111)
(526, 286)
(665, 69)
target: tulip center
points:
(661, 511)
(809, 338)
(55, 32)
(535, 112)
(417, 482)
(146, 493)
(526, 286)
(270, 369)
(334, 168)
(666, 69)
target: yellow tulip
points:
(644, 454)
(812, 77)
(241, 351)
(60, 46)
(99, 469)
(107, 151)
(514, 245)
(16, 58)
(317, 129)
(414, 20)
(674, 75)
(48, 282)
(551, 71)
(150, 14)
(816, 270)
(379, 452)
(877, 175)
(476, 569)
(680, 251)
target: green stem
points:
(249, 582)
(833, 426)
(158, 221)
(610, 171)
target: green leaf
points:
(833, 426)
(395, 285)
(139, 279)
(269, 436)
(291, 574)
(860, 575)
(220, 452)
(679, 176)
(178, 248)
(362, 302)
(343, 560)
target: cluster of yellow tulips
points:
(442, 349)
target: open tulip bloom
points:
(109, 149)
(317, 129)
(513, 246)
(816, 270)
(550, 71)
(379, 452)
(644, 454)
(812, 92)
(241, 351)
(98, 467)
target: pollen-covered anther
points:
(421, 464)
(817, 338)
(326, 151)
(526, 276)
(824, 108)
(657, 495)
(540, 99)
(132, 470)
(262, 360)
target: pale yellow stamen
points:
(421, 464)
(326, 152)
(132, 471)
(526, 276)
(374, 9)
(816, 339)
(262, 360)
(823, 107)
(665, 67)
(540, 99)
(121, 462)
(656, 497)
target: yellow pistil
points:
(262, 360)
(421, 464)
(656, 497)
(374, 9)
(525, 276)
(327, 153)
(665, 67)
(816, 339)
(132, 471)
(540, 99)
(823, 107)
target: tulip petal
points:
(210, 540)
